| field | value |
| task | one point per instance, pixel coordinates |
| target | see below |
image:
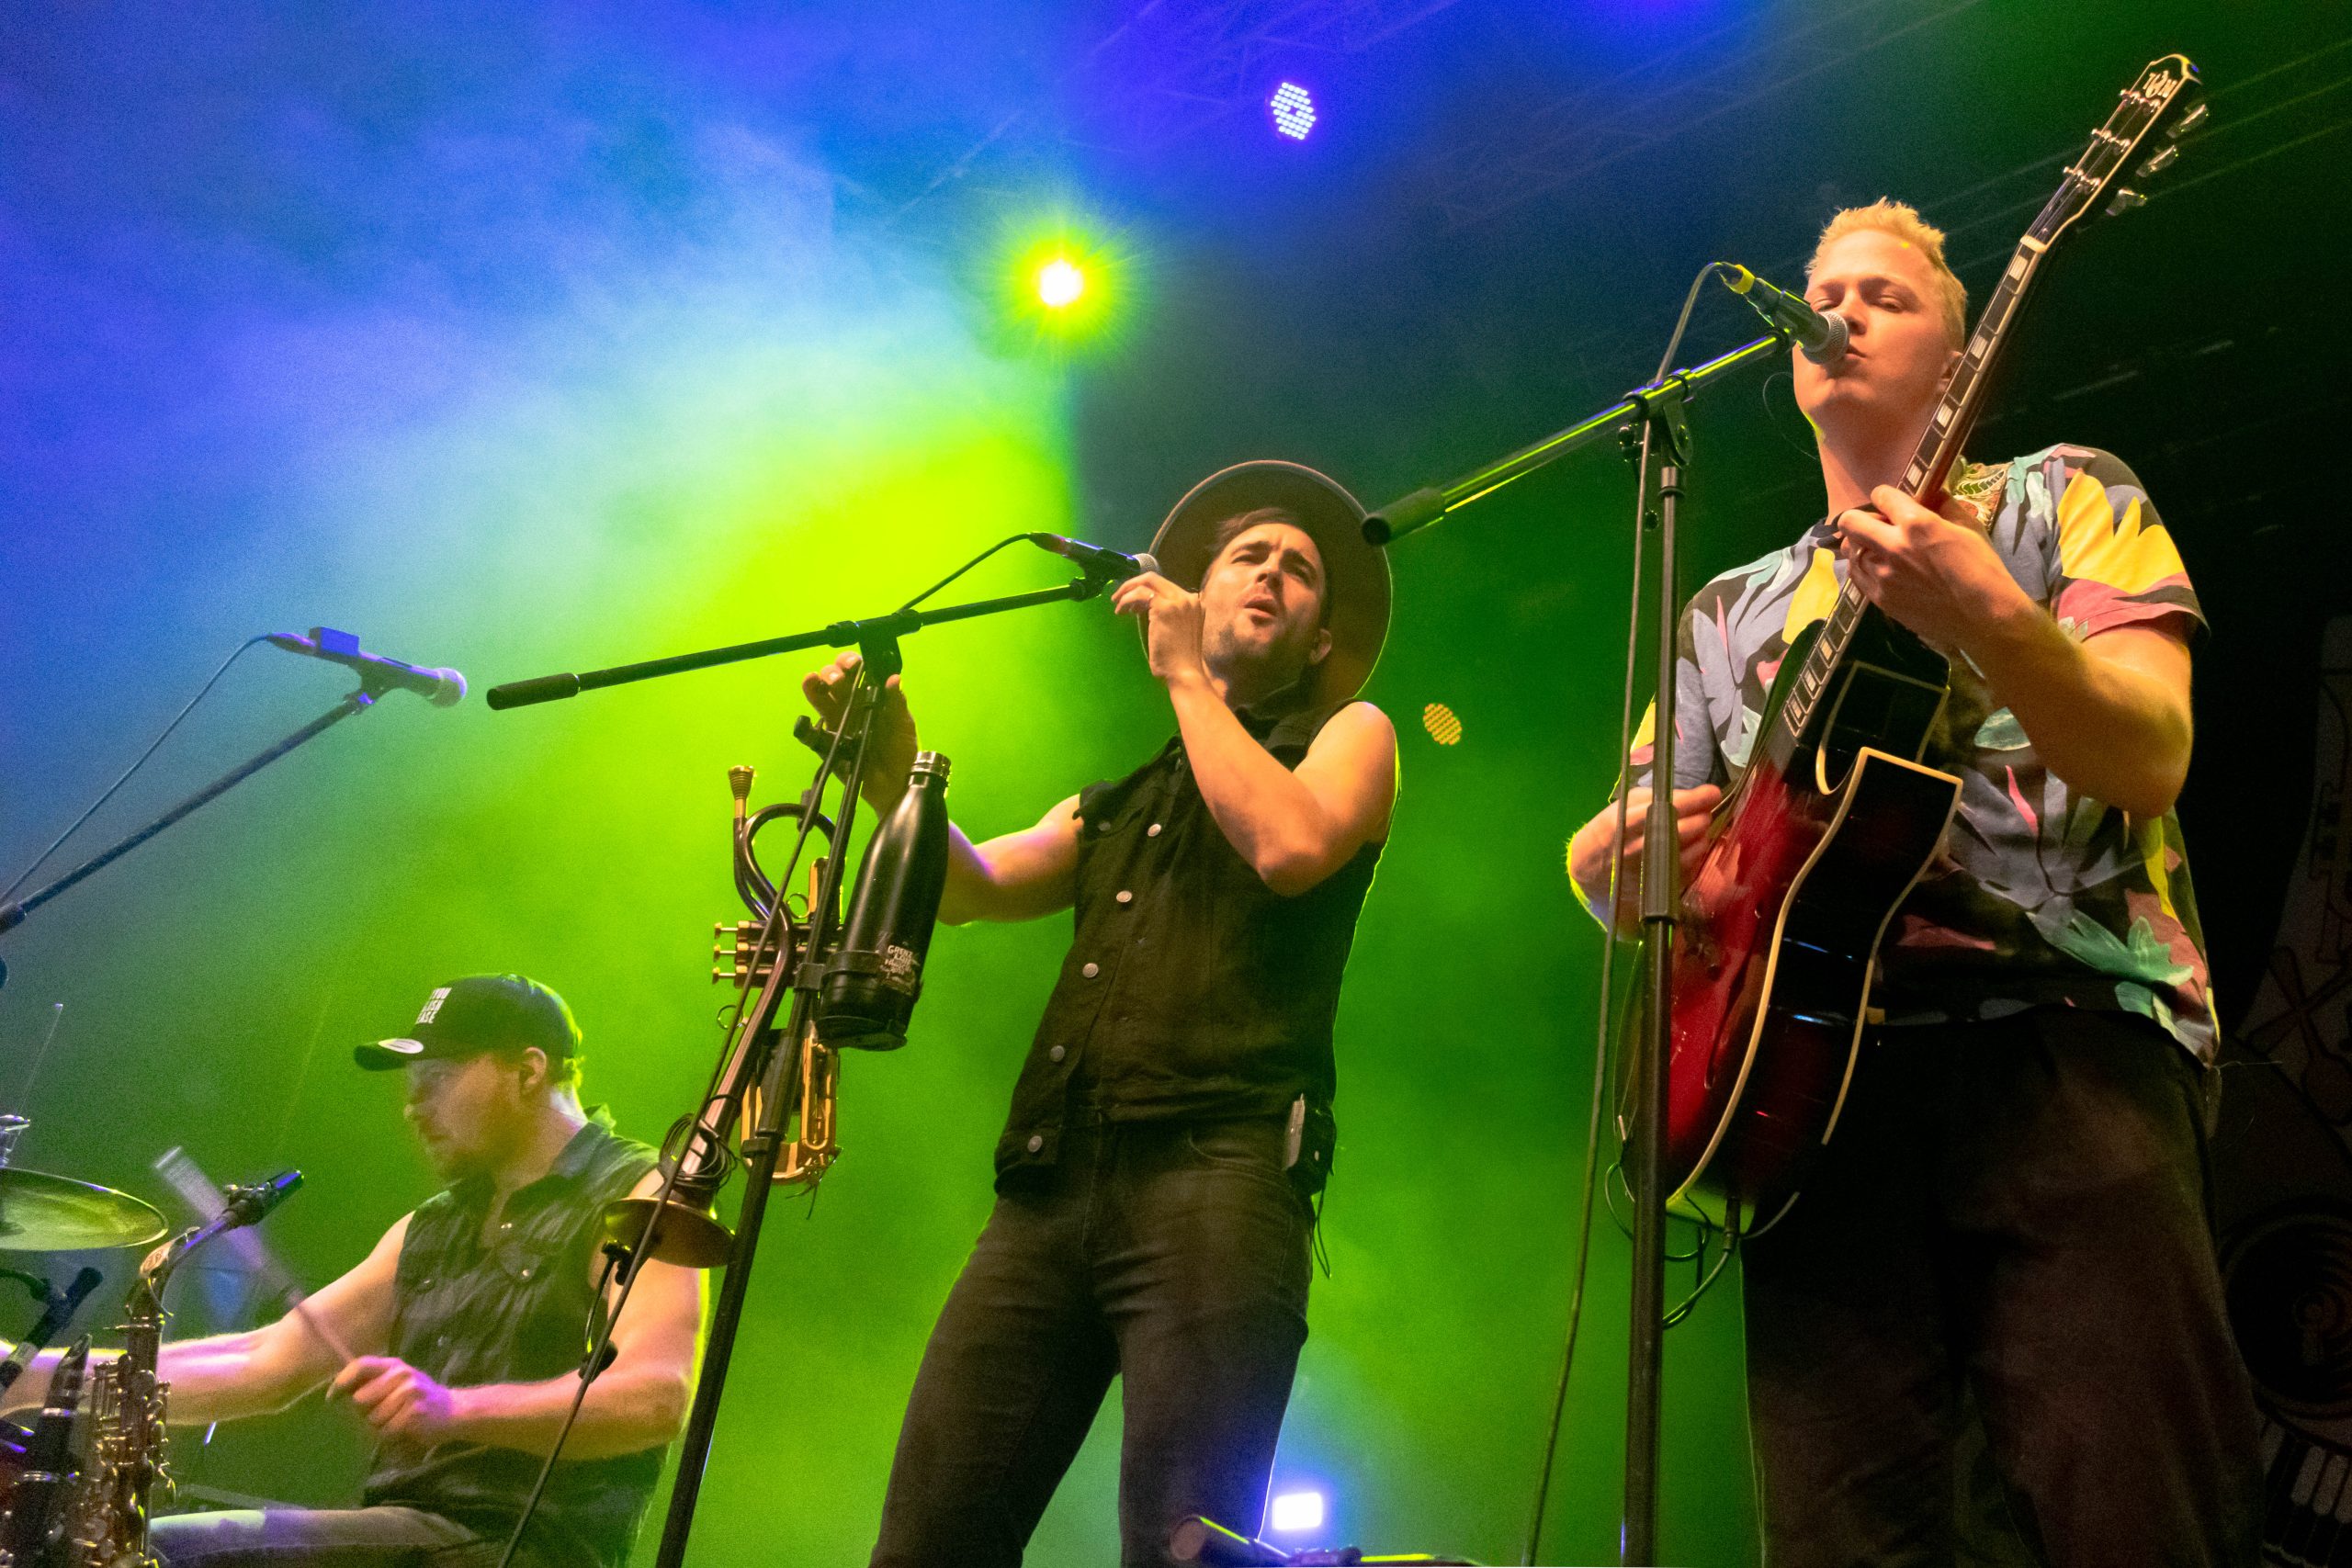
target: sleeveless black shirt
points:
(515, 1310)
(1191, 989)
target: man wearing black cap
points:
(1172, 1121)
(459, 1336)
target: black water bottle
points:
(872, 984)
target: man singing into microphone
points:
(2011, 1212)
(1172, 1119)
(467, 1323)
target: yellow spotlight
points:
(1440, 721)
(1059, 283)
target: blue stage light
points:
(1295, 1511)
(1294, 108)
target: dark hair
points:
(1222, 537)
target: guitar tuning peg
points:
(2193, 120)
(2125, 200)
(2164, 159)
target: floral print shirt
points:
(2039, 895)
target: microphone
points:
(1098, 561)
(442, 688)
(250, 1206)
(1820, 334)
(43, 1484)
(54, 1318)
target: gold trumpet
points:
(795, 1076)
(746, 957)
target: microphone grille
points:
(1145, 560)
(451, 690)
(1833, 341)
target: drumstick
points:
(196, 1190)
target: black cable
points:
(1608, 955)
(1001, 543)
(1608, 1196)
(41, 860)
(680, 1134)
(1675, 1318)
(1732, 1236)
(591, 1366)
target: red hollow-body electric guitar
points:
(1836, 818)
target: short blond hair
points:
(1903, 220)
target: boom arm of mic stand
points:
(840, 634)
(1411, 512)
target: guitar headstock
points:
(2139, 141)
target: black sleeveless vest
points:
(515, 1311)
(1191, 988)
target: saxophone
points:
(94, 1514)
(108, 1514)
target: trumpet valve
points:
(739, 952)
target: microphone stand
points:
(1659, 412)
(370, 687)
(753, 1056)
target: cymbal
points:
(51, 1213)
(685, 1236)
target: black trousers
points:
(2011, 1216)
(1171, 1254)
(321, 1538)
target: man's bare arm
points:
(264, 1369)
(1014, 877)
(1592, 853)
(1295, 828)
(639, 1402)
(2108, 715)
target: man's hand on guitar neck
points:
(1934, 571)
(1594, 846)
(2109, 713)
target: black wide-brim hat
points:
(1355, 572)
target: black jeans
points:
(2015, 1213)
(321, 1538)
(1171, 1254)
